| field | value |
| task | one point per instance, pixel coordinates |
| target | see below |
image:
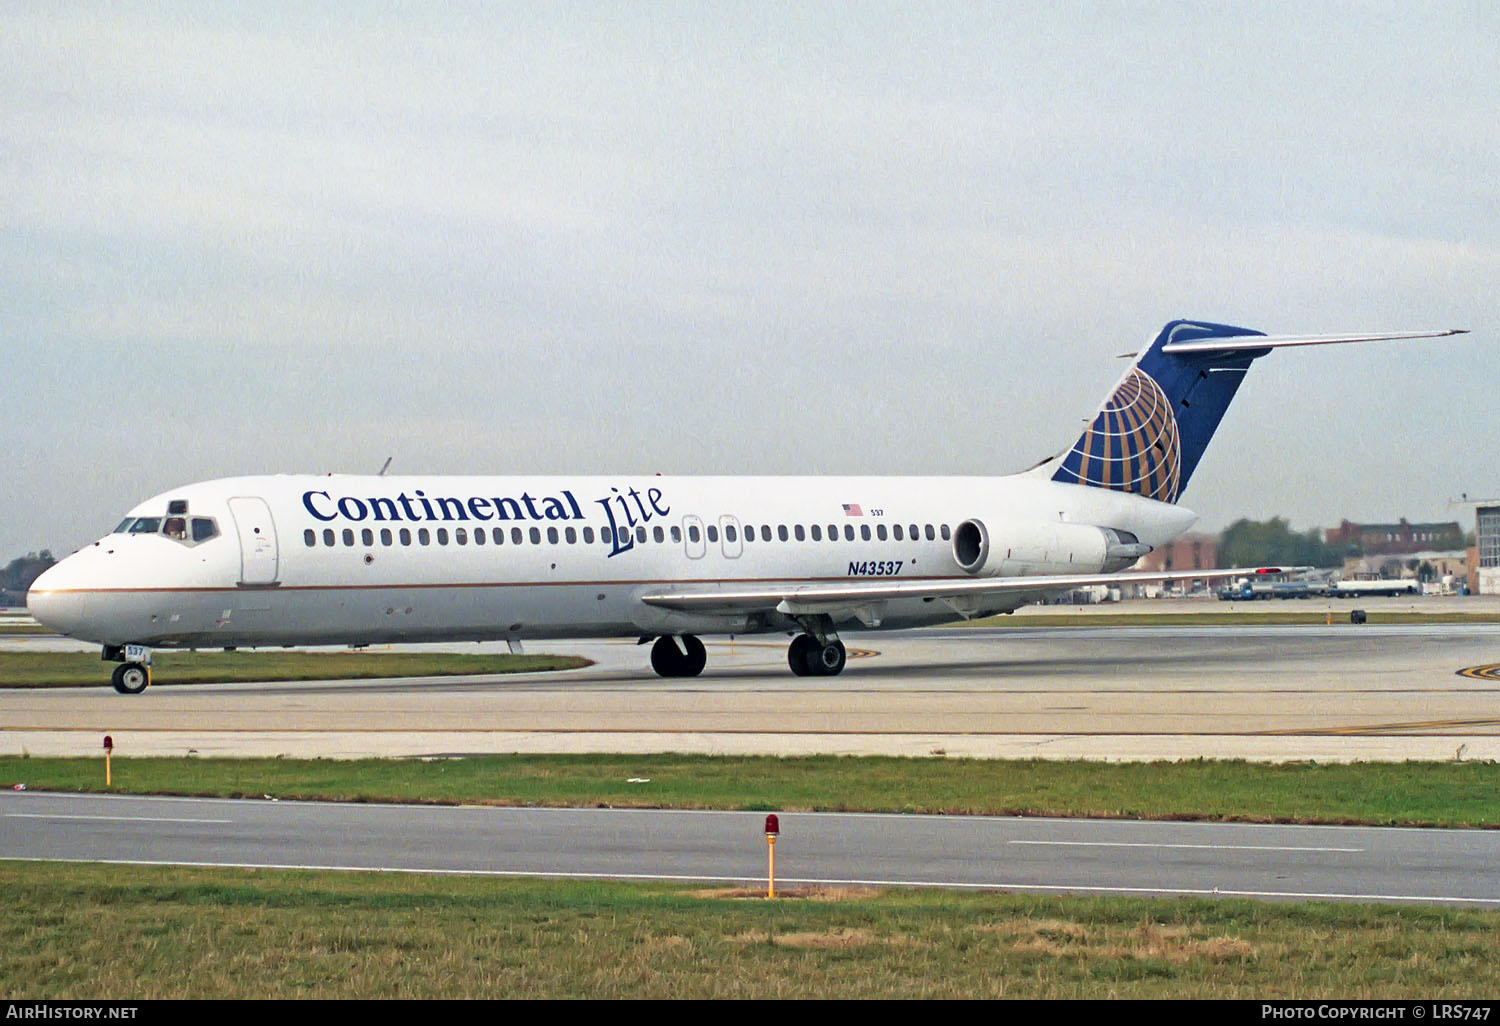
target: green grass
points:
(83, 931)
(84, 669)
(1406, 794)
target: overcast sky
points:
(720, 238)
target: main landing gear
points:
(809, 658)
(670, 660)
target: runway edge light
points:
(773, 828)
(109, 748)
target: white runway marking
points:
(120, 819)
(1209, 847)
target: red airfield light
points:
(773, 826)
(109, 743)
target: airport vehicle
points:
(1361, 589)
(355, 560)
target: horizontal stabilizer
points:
(1241, 342)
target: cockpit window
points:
(188, 530)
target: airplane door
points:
(729, 534)
(692, 537)
(259, 563)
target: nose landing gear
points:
(134, 672)
(131, 678)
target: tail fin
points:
(1156, 423)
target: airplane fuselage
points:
(303, 560)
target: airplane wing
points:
(862, 598)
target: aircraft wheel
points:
(131, 678)
(828, 660)
(666, 660)
(798, 656)
(697, 656)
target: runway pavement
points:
(1331, 693)
(1451, 867)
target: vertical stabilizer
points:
(1152, 430)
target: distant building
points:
(1487, 542)
(1190, 552)
(1400, 538)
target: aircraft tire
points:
(697, 656)
(666, 660)
(829, 660)
(799, 655)
(130, 678)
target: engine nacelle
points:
(1033, 549)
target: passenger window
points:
(570, 535)
(310, 537)
(798, 533)
(515, 535)
(478, 536)
(817, 532)
(588, 536)
(442, 536)
(328, 536)
(930, 534)
(676, 534)
(349, 536)
(781, 532)
(848, 532)
(730, 534)
(897, 531)
(692, 532)
(551, 536)
(536, 536)
(864, 531)
(405, 536)
(658, 534)
(499, 535)
(423, 536)
(622, 536)
(833, 532)
(385, 536)
(640, 535)
(204, 529)
(946, 533)
(460, 536)
(367, 536)
(880, 531)
(713, 533)
(749, 532)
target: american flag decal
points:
(851, 509)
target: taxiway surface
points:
(1332, 693)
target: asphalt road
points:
(1458, 867)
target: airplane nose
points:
(52, 605)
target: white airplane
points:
(358, 560)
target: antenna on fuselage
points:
(386, 466)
